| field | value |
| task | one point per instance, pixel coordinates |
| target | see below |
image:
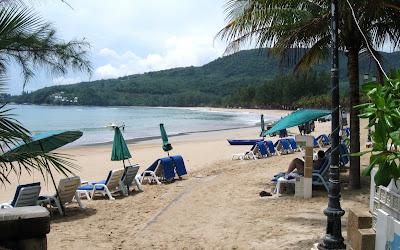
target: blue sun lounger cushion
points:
(167, 165)
(179, 165)
(323, 140)
(263, 149)
(271, 147)
(293, 144)
(101, 182)
(283, 147)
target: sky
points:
(130, 36)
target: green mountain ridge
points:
(208, 85)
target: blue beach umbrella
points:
(166, 145)
(43, 142)
(297, 118)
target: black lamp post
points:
(333, 238)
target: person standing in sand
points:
(299, 164)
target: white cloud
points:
(64, 81)
(130, 37)
(178, 52)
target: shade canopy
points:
(166, 145)
(297, 118)
(43, 142)
(119, 150)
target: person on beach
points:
(282, 133)
(299, 164)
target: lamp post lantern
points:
(333, 238)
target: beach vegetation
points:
(383, 112)
(29, 42)
(299, 33)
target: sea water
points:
(141, 123)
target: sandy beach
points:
(215, 206)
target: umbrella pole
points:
(127, 186)
(54, 183)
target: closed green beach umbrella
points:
(120, 151)
(262, 126)
(166, 145)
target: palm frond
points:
(26, 39)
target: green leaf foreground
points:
(384, 114)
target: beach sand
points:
(216, 206)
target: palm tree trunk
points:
(354, 92)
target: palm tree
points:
(30, 42)
(298, 32)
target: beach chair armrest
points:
(84, 183)
(147, 172)
(5, 205)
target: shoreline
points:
(142, 140)
(151, 139)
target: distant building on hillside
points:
(59, 96)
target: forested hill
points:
(210, 84)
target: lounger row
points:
(268, 148)
(71, 189)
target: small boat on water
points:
(111, 125)
(243, 142)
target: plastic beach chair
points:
(319, 177)
(130, 178)
(67, 189)
(323, 140)
(161, 169)
(293, 144)
(316, 144)
(249, 154)
(258, 150)
(282, 147)
(270, 147)
(25, 195)
(105, 187)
